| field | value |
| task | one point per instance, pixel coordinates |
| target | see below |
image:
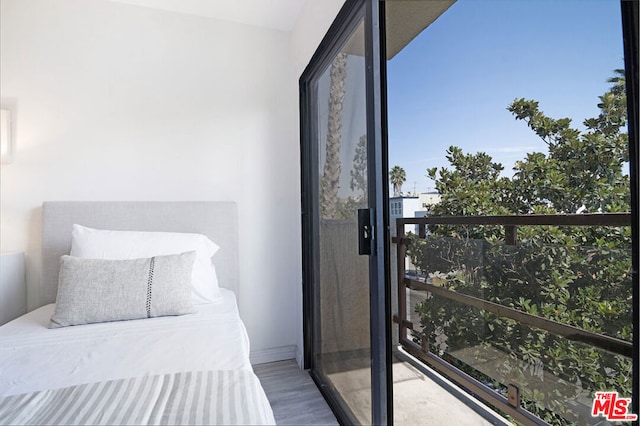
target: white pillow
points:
(91, 243)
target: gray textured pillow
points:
(99, 290)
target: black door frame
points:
(343, 26)
(380, 270)
(630, 16)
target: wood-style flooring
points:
(293, 395)
(421, 396)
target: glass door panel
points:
(342, 349)
(344, 218)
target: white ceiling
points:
(275, 14)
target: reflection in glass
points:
(342, 347)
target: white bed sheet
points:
(34, 357)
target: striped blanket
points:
(193, 398)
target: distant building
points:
(411, 205)
(428, 198)
(403, 206)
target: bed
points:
(189, 368)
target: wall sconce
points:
(6, 139)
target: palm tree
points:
(359, 171)
(331, 173)
(397, 177)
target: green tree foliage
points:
(574, 275)
(581, 168)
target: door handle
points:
(365, 231)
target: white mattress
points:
(34, 357)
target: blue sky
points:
(452, 84)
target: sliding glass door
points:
(343, 219)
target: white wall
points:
(315, 19)
(312, 25)
(119, 102)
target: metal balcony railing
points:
(484, 366)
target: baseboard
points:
(274, 354)
(299, 358)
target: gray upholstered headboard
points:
(216, 220)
